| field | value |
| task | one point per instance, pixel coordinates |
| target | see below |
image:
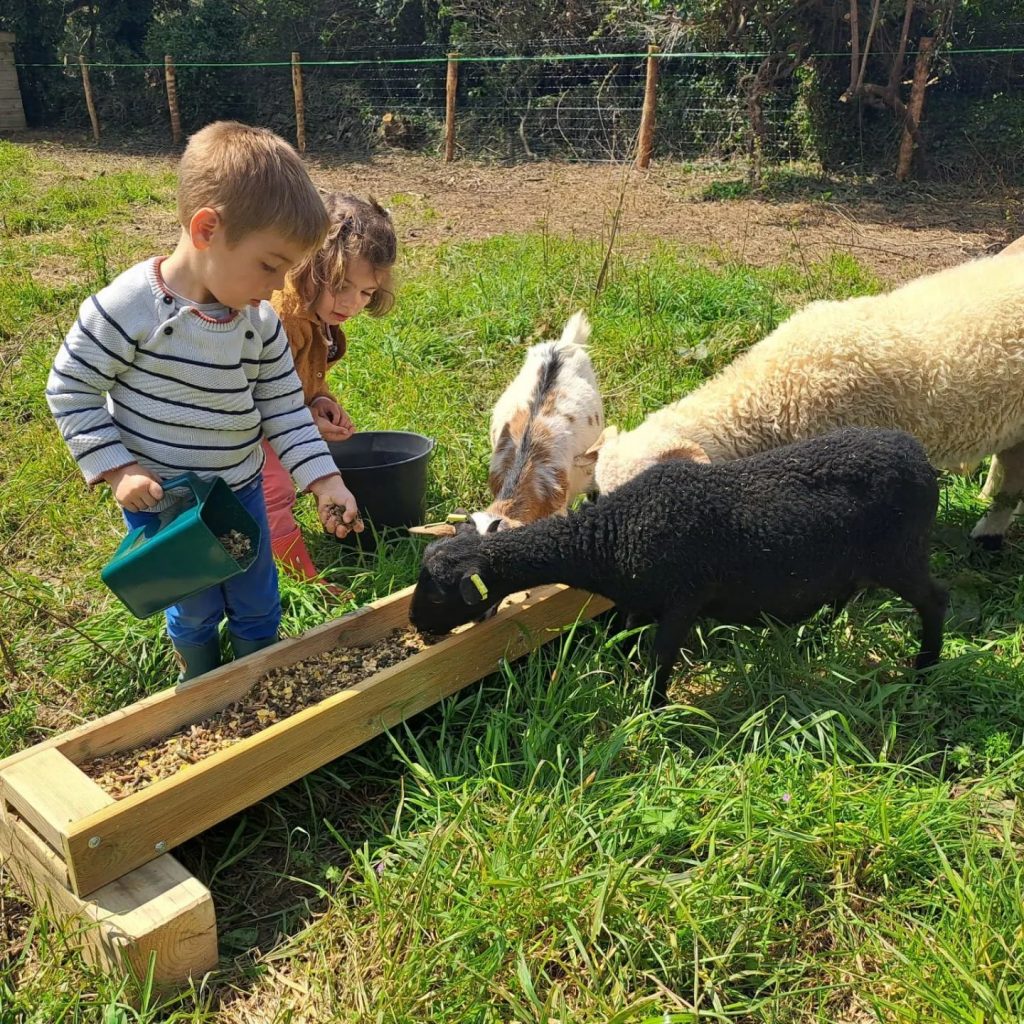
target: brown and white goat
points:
(544, 432)
(543, 428)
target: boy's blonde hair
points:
(254, 180)
(358, 227)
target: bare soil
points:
(898, 230)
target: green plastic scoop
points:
(184, 551)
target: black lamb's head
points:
(452, 588)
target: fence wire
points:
(569, 106)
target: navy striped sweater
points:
(140, 378)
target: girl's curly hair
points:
(359, 227)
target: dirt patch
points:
(899, 231)
(15, 918)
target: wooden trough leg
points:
(158, 910)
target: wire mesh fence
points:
(568, 106)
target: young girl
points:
(350, 273)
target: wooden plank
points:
(158, 909)
(158, 818)
(167, 711)
(26, 846)
(51, 793)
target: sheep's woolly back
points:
(941, 357)
(542, 424)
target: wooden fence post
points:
(87, 86)
(645, 143)
(300, 106)
(914, 108)
(172, 98)
(451, 84)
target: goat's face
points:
(452, 588)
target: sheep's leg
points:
(622, 620)
(833, 608)
(673, 628)
(929, 598)
(1005, 488)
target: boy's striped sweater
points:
(139, 379)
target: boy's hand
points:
(135, 488)
(336, 506)
(331, 420)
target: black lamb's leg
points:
(674, 626)
(929, 598)
(932, 609)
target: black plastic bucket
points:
(387, 472)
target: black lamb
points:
(777, 534)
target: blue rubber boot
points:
(195, 659)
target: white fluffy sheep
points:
(941, 357)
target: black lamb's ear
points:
(473, 589)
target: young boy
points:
(180, 365)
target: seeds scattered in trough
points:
(280, 693)
(237, 545)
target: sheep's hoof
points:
(989, 541)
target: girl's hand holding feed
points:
(336, 506)
(331, 420)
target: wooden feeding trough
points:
(103, 861)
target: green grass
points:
(810, 834)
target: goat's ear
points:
(473, 589)
(590, 455)
(494, 525)
(433, 530)
(689, 450)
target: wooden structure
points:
(171, 81)
(89, 104)
(645, 140)
(12, 112)
(300, 104)
(72, 846)
(451, 86)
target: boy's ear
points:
(202, 226)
